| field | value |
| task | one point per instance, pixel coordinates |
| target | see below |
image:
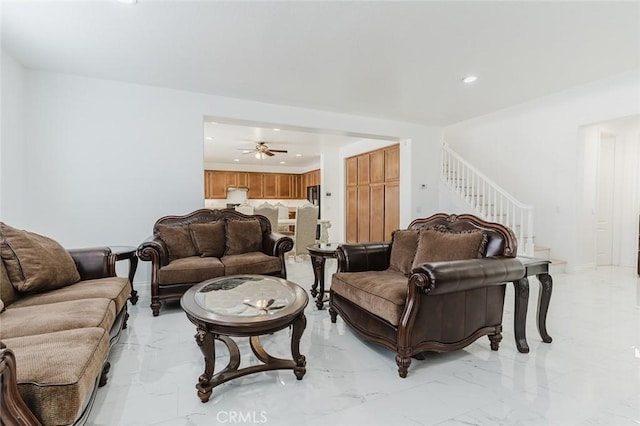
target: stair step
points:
(558, 266)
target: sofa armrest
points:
(363, 257)
(275, 244)
(13, 410)
(155, 251)
(460, 275)
(94, 263)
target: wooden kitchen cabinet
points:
(373, 195)
(284, 186)
(269, 185)
(215, 184)
(376, 167)
(254, 184)
(260, 185)
(392, 164)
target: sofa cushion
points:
(39, 319)
(243, 236)
(383, 293)
(435, 245)
(178, 241)
(8, 292)
(404, 244)
(117, 289)
(34, 262)
(57, 371)
(209, 238)
(251, 263)
(192, 269)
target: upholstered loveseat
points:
(61, 312)
(437, 286)
(209, 243)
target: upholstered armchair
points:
(437, 286)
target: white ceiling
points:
(395, 60)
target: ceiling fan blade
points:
(269, 153)
(279, 150)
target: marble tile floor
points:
(589, 375)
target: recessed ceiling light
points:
(276, 130)
(469, 79)
(282, 162)
(236, 160)
(298, 155)
(209, 138)
(212, 122)
(127, 1)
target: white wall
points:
(531, 150)
(13, 176)
(106, 159)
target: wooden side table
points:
(539, 268)
(319, 253)
(127, 253)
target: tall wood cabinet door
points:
(283, 185)
(254, 183)
(351, 166)
(218, 184)
(242, 179)
(391, 209)
(376, 212)
(363, 169)
(363, 214)
(376, 166)
(352, 214)
(269, 185)
(392, 164)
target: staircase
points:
(489, 201)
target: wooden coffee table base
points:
(206, 341)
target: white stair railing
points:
(487, 198)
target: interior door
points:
(604, 200)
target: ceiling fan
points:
(263, 151)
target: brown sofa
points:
(437, 286)
(61, 312)
(205, 244)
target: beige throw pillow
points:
(34, 262)
(209, 238)
(243, 236)
(435, 246)
(403, 249)
(178, 241)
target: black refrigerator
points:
(313, 195)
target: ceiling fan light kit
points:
(262, 151)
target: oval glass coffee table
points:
(244, 306)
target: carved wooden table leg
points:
(299, 325)
(318, 275)
(520, 315)
(206, 381)
(133, 266)
(544, 297)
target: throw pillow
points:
(435, 246)
(403, 249)
(34, 262)
(209, 238)
(243, 236)
(178, 241)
